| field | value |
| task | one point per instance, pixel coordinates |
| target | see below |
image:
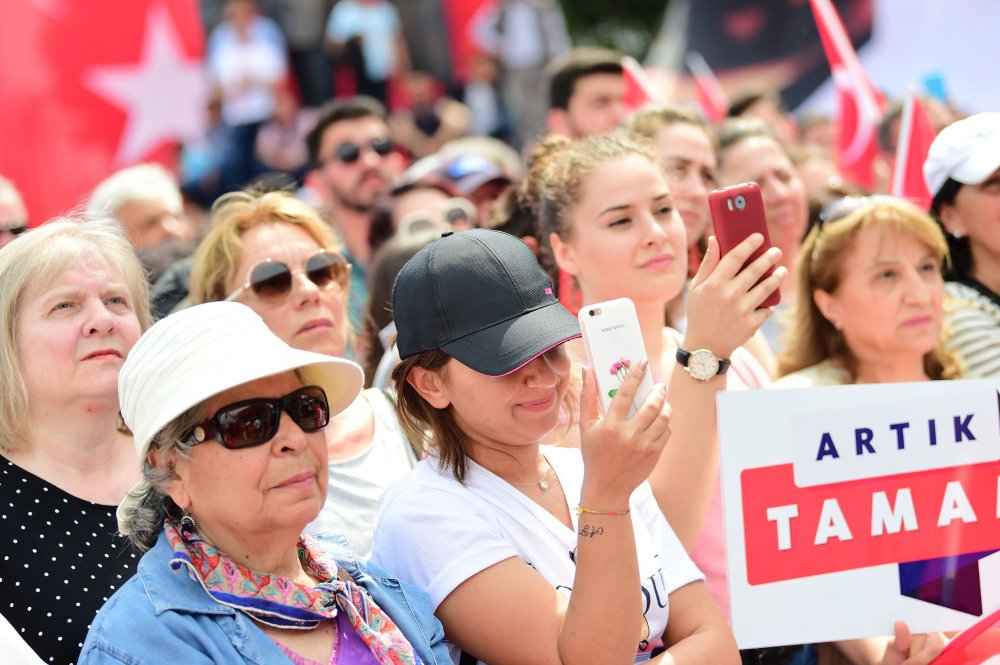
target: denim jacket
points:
(163, 616)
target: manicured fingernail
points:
(643, 364)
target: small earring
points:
(188, 523)
(957, 234)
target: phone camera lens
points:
(591, 312)
(740, 202)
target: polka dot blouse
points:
(61, 558)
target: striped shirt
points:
(972, 314)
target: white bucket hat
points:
(966, 151)
(199, 352)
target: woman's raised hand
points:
(723, 301)
(618, 452)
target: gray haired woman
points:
(72, 304)
(227, 423)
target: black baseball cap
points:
(482, 298)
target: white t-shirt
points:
(433, 532)
(357, 482)
(247, 73)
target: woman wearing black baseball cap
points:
(529, 553)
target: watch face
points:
(703, 364)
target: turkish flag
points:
(639, 90)
(91, 87)
(978, 644)
(916, 133)
(462, 18)
(708, 92)
(859, 105)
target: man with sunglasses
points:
(354, 161)
(13, 214)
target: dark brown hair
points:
(424, 425)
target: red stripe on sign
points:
(792, 532)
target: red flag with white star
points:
(91, 87)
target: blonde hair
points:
(564, 165)
(33, 261)
(809, 337)
(651, 119)
(233, 214)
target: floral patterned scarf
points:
(283, 603)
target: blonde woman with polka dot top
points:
(72, 303)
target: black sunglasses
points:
(252, 422)
(348, 152)
(272, 280)
(14, 230)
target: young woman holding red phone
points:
(612, 225)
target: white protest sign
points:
(850, 507)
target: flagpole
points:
(902, 147)
(699, 67)
(639, 75)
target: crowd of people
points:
(444, 488)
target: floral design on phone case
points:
(620, 369)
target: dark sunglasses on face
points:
(348, 152)
(252, 422)
(14, 230)
(272, 280)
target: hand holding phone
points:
(614, 346)
(737, 212)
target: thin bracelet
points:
(580, 510)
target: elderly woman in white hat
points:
(227, 421)
(962, 171)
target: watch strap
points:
(683, 356)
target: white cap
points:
(199, 352)
(967, 151)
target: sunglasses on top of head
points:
(349, 152)
(458, 213)
(271, 280)
(841, 208)
(252, 422)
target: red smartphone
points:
(737, 211)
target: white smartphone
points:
(614, 346)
